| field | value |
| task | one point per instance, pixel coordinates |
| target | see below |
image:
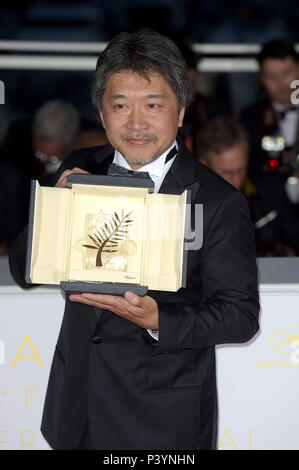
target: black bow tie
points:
(171, 154)
(281, 114)
(117, 170)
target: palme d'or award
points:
(107, 234)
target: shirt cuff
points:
(154, 334)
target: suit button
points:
(96, 340)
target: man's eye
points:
(119, 106)
(153, 105)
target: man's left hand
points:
(140, 310)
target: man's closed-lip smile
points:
(139, 141)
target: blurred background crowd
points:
(243, 125)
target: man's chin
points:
(140, 157)
(140, 161)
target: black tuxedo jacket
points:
(136, 392)
(259, 119)
(255, 119)
(268, 196)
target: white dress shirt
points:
(157, 171)
(288, 125)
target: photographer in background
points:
(272, 123)
(223, 146)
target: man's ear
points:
(181, 116)
(102, 118)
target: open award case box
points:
(106, 234)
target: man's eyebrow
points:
(116, 97)
(149, 96)
(154, 95)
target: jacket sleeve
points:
(17, 259)
(227, 308)
(17, 251)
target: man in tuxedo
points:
(132, 372)
(223, 146)
(272, 122)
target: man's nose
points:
(137, 119)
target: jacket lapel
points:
(98, 163)
(182, 173)
(170, 184)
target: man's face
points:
(140, 117)
(277, 75)
(231, 164)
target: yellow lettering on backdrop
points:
(250, 440)
(27, 399)
(3, 442)
(25, 443)
(27, 356)
(229, 443)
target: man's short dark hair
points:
(142, 51)
(219, 135)
(278, 49)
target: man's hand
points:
(140, 310)
(61, 183)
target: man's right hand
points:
(61, 183)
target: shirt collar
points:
(278, 107)
(155, 168)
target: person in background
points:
(223, 146)
(36, 146)
(272, 123)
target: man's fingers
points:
(108, 302)
(133, 299)
(144, 314)
(119, 309)
(118, 302)
(61, 183)
(88, 301)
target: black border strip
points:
(30, 231)
(107, 180)
(185, 253)
(102, 287)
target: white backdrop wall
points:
(258, 384)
